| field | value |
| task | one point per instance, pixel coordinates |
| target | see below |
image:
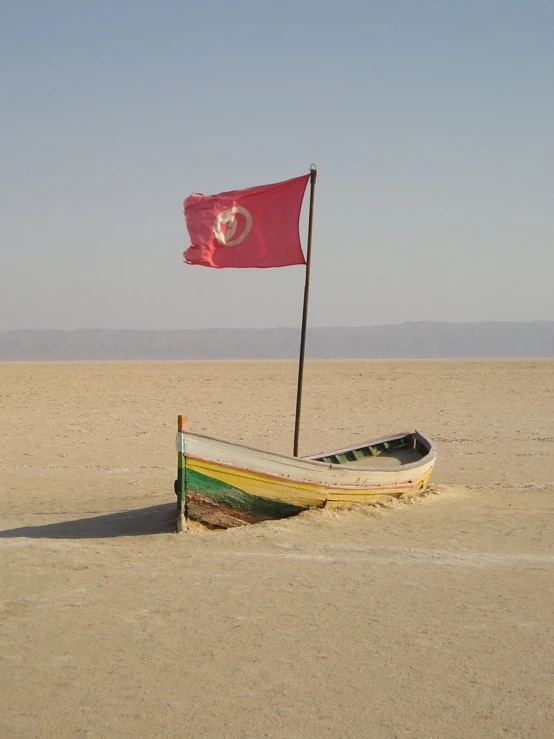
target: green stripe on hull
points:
(221, 492)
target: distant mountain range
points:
(407, 340)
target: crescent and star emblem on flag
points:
(228, 218)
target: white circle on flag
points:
(229, 218)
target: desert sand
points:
(430, 619)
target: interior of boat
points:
(394, 452)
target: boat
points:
(222, 484)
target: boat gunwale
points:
(316, 463)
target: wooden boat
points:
(223, 484)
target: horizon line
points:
(286, 328)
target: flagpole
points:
(313, 176)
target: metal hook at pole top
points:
(313, 167)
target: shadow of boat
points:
(158, 519)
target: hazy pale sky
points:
(431, 124)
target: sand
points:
(430, 619)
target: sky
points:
(431, 123)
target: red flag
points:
(257, 227)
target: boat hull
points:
(230, 485)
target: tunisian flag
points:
(257, 227)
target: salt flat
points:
(430, 619)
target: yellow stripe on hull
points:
(299, 493)
(335, 499)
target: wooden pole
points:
(313, 173)
(181, 490)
